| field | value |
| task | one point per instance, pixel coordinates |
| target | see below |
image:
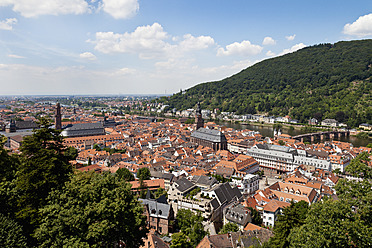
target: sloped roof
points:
(209, 135)
(184, 184)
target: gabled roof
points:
(156, 209)
(204, 180)
(274, 205)
(184, 184)
(224, 193)
(209, 135)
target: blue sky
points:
(158, 46)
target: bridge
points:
(321, 135)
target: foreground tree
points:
(44, 165)
(180, 240)
(359, 168)
(332, 224)
(293, 217)
(92, 210)
(11, 234)
(191, 224)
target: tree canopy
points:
(92, 209)
(191, 224)
(322, 81)
(143, 173)
(124, 174)
(44, 165)
(229, 227)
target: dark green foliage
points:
(359, 168)
(180, 240)
(229, 227)
(159, 192)
(124, 174)
(8, 164)
(332, 224)
(71, 152)
(323, 81)
(190, 121)
(143, 174)
(346, 222)
(97, 147)
(11, 233)
(191, 224)
(293, 217)
(93, 209)
(256, 216)
(44, 165)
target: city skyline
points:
(76, 47)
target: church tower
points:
(58, 117)
(198, 117)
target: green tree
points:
(8, 163)
(93, 209)
(97, 147)
(191, 224)
(256, 216)
(11, 234)
(332, 224)
(143, 173)
(180, 240)
(44, 165)
(229, 227)
(159, 192)
(125, 174)
(292, 218)
(281, 142)
(359, 168)
(72, 152)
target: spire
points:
(198, 117)
(58, 117)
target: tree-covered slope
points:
(322, 81)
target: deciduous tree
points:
(93, 209)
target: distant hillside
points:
(322, 81)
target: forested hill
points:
(322, 81)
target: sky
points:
(80, 47)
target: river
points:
(268, 131)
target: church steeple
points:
(58, 117)
(198, 117)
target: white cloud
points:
(149, 42)
(34, 8)
(245, 48)
(125, 71)
(8, 23)
(88, 56)
(291, 37)
(293, 48)
(270, 53)
(196, 43)
(15, 56)
(361, 27)
(121, 9)
(268, 41)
